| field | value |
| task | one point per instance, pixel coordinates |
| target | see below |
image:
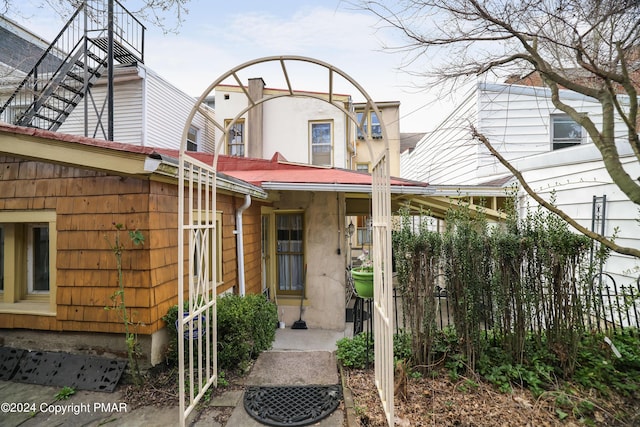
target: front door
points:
(290, 253)
(283, 256)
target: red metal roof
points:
(258, 171)
(254, 171)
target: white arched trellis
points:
(197, 233)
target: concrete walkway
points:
(298, 357)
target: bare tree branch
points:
(167, 15)
(535, 196)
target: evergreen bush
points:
(246, 326)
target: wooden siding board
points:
(87, 204)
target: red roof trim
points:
(65, 137)
(254, 171)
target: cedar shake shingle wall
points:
(228, 205)
(87, 204)
(252, 242)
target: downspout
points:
(240, 242)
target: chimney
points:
(254, 125)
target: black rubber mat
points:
(69, 370)
(9, 360)
(291, 405)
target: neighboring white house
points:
(142, 115)
(553, 153)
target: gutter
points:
(167, 166)
(345, 188)
(240, 243)
(462, 191)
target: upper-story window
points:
(371, 124)
(321, 141)
(235, 138)
(192, 139)
(565, 132)
(363, 167)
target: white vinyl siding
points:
(148, 111)
(515, 119)
(575, 177)
(166, 114)
(127, 113)
(445, 155)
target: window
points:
(192, 139)
(27, 262)
(290, 253)
(235, 138)
(376, 129)
(362, 167)
(371, 125)
(321, 136)
(565, 132)
(364, 124)
(365, 235)
(37, 259)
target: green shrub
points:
(246, 326)
(354, 353)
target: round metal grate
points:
(291, 405)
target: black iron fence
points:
(607, 307)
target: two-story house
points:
(304, 129)
(553, 153)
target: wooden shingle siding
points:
(87, 204)
(252, 253)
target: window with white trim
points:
(235, 138)
(371, 125)
(27, 262)
(192, 139)
(362, 167)
(321, 142)
(565, 132)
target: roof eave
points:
(168, 167)
(343, 188)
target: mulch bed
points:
(472, 402)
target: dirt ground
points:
(470, 402)
(467, 402)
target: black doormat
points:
(57, 369)
(291, 405)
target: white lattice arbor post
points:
(196, 325)
(382, 284)
(197, 234)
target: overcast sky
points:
(219, 35)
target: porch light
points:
(350, 229)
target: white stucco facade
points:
(286, 123)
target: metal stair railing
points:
(62, 93)
(71, 64)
